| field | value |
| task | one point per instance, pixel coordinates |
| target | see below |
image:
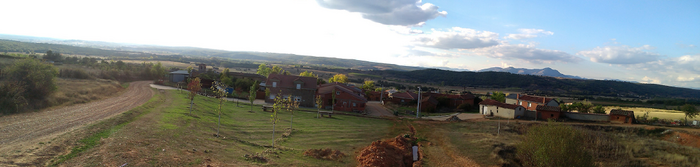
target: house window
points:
(298, 86)
(274, 84)
(297, 98)
(521, 103)
(353, 104)
(551, 115)
(529, 104)
(337, 92)
(401, 100)
(272, 96)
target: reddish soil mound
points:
(324, 154)
(394, 152)
(684, 139)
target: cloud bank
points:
(389, 12)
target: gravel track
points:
(21, 128)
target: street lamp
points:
(418, 106)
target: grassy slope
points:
(345, 133)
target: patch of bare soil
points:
(683, 138)
(327, 153)
(25, 138)
(394, 152)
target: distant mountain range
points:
(549, 72)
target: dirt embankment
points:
(22, 135)
(395, 152)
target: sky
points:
(647, 41)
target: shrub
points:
(37, 77)
(553, 144)
(74, 73)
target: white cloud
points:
(526, 53)
(458, 38)
(528, 33)
(647, 79)
(621, 54)
(389, 12)
(682, 78)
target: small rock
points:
(163, 150)
(195, 150)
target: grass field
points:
(171, 128)
(165, 63)
(660, 113)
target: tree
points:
(267, 92)
(158, 71)
(194, 86)
(55, 56)
(340, 78)
(279, 103)
(582, 107)
(277, 70)
(599, 109)
(292, 105)
(220, 92)
(319, 103)
(369, 85)
(307, 74)
(263, 70)
(690, 111)
(190, 69)
(564, 107)
(38, 78)
(120, 64)
(251, 96)
(235, 95)
(12, 96)
(333, 100)
(499, 96)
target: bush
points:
(37, 77)
(553, 144)
(74, 73)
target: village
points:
(348, 97)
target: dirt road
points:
(31, 128)
(375, 108)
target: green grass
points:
(364, 75)
(247, 132)
(125, 85)
(106, 128)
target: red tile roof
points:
(548, 108)
(328, 88)
(492, 102)
(405, 95)
(622, 112)
(429, 99)
(287, 81)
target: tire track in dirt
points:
(26, 128)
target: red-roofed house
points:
(403, 97)
(621, 116)
(302, 89)
(548, 112)
(496, 108)
(428, 104)
(531, 102)
(347, 98)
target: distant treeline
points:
(540, 84)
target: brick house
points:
(302, 89)
(496, 108)
(347, 98)
(548, 112)
(531, 102)
(621, 116)
(403, 98)
(428, 103)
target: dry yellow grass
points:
(77, 91)
(660, 113)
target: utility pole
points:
(381, 96)
(418, 106)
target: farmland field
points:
(660, 113)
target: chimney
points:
(517, 97)
(544, 100)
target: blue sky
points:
(642, 41)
